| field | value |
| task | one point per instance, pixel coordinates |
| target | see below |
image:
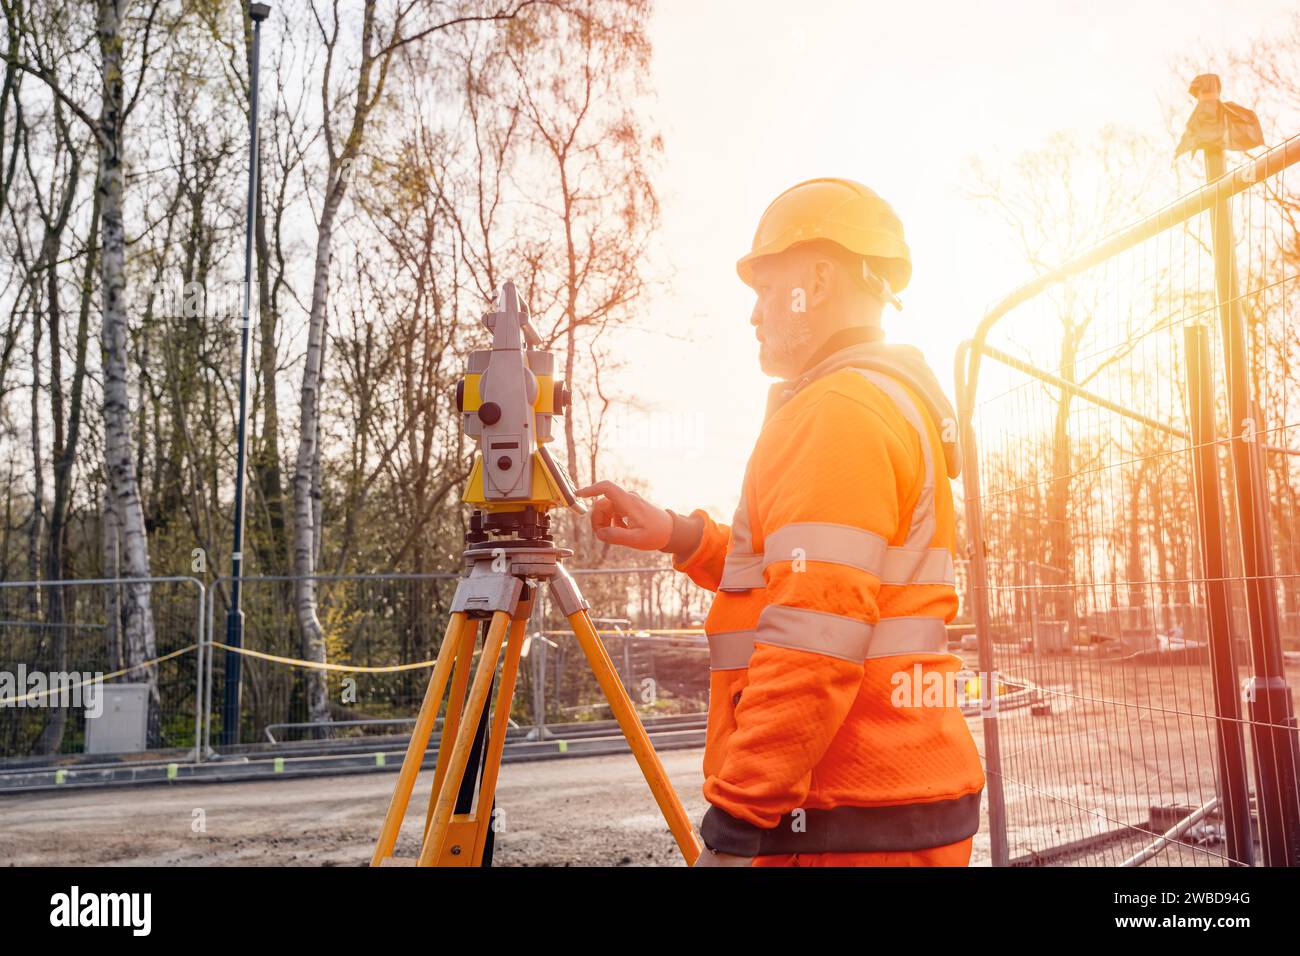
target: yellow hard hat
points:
(841, 210)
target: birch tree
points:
(108, 131)
(138, 625)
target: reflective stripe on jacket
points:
(834, 581)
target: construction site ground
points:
(583, 811)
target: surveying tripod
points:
(507, 397)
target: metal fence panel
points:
(1089, 480)
(76, 628)
(382, 620)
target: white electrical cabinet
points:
(121, 728)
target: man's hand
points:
(624, 517)
(709, 857)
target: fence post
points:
(209, 674)
(201, 630)
(1230, 752)
(1273, 724)
(983, 620)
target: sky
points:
(755, 96)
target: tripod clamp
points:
(497, 574)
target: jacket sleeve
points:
(828, 504)
(701, 559)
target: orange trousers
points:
(954, 854)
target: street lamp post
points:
(257, 12)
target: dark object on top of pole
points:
(1276, 746)
(257, 12)
(1215, 123)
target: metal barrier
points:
(70, 633)
(381, 620)
(368, 621)
(649, 617)
(1110, 565)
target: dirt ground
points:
(1120, 739)
(583, 811)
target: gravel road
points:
(578, 811)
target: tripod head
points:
(508, 400)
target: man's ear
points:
(822, 276)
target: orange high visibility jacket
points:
(834, 583)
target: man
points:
(835, 579)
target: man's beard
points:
(782, 347)
(773, 365)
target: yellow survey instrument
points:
(508, 401)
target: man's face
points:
(780, 318)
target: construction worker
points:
(835, 578)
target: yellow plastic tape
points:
(10, 701)
(319, 666)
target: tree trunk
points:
(63, 452)
(1059, 551)
(273, 554)
(304, 504)
(118, 456)
(56, 717)
(36, 520)
(266, 450)
(306, 478)
(317, 530)
(110, 538)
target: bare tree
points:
(379, 43)
(577, 77)
(1056, 202)
(42, 57)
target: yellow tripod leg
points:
(420, 734)
(460, 674)
(497, 735)
(468, 729)
(469, 829)
(655, 775)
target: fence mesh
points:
(370, 621)
(1096, 587)
(393, 619)
(77, 629)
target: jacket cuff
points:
(685, 537)
(722, 832)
